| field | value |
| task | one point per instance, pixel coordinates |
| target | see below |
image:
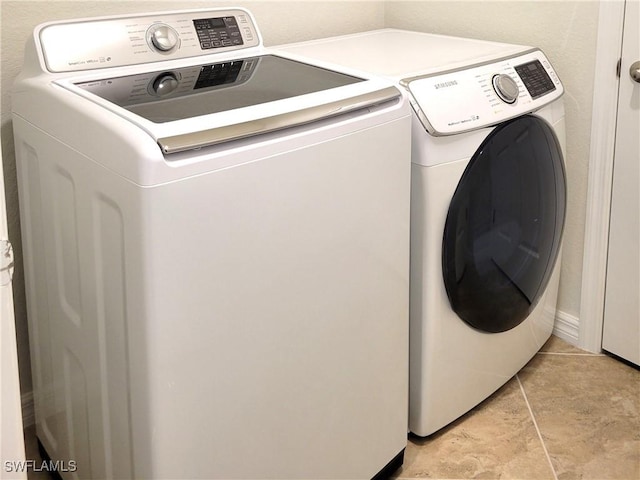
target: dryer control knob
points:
(506, 88)
(162, 37)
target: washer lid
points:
(465, 99)
(178, 94)
(196, 106)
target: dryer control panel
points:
(483, 95)
(121, 41)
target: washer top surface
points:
(401, 53)
(185, 79)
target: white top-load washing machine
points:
(488, 206)
(216, 244)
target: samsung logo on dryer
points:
(450, 83)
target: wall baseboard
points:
(567, 327)
(28, 410)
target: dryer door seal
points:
(504, 226)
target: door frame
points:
(600, 183)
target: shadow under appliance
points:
(488, 201)
(216, 250)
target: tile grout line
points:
(535, 424)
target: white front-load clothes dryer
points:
(488, 207)
(216, 250)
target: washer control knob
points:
(164, 84)
(163, 37)
(506, 88)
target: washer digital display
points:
(218, 32)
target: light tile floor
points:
(567, 415)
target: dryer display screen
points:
(535, 78)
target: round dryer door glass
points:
(504, 225)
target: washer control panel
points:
(218, 32)
(482, 95)
(122, 41)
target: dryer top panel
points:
(456, 84)
(400, 54)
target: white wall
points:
(279, 21)
(567, 32)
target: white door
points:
(11, 438)
(621, 334)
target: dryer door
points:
(504, 225)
